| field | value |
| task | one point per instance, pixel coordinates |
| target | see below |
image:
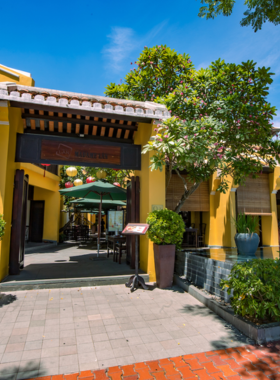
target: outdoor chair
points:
(120, 248)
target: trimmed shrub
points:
(256, 289)
(166, 227)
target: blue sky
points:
(82, 46)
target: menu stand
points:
(136, 229)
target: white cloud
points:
(120, 46)
(123, 42)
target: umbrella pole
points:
(99, 223)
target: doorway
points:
(36, 223)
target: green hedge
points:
(166, 227)
(256, 289)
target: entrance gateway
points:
(60, 128)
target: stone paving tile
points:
(90, 328)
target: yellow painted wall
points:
(51, 212)
(11, 124)
(152, 192)
(23, 79)
(270, 223)
(221, 211)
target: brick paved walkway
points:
(247, 362)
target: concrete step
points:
(9, 286)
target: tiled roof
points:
(72, 100)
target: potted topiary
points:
(246, 239)
(166, 229)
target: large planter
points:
(164, 264)
(247, 244)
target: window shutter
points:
(253, 198)
(198, 201)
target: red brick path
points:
(248, 362)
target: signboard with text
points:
(82, 152)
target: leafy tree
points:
(159, 70)
(222, 124)
(258, 12)
(222, 120)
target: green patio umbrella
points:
(94, 203)
(100, 190)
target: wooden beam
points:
(81, 112)
(70, 119)
(91, 137)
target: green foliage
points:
(222, 122)
(166, 227)
(2, 226)
(258, 12)
(256, 289)
(246, 224)
(159, 71)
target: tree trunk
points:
(186, 195)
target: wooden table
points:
(111, 243)
(189, 231)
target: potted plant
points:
(2, 226)
(166, 229)
(246, 239)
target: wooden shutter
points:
(198, 201)
(253, 198)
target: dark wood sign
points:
(39, 149)
(54, 150)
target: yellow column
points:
(4, 145)
(152, 192)
(220, 230)
(270, 223)
(232, 206)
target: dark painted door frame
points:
(132, 216)
(21, 183)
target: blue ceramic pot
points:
(247, 244)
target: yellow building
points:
(42, 126)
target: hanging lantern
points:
(78, 182)
(90, 179)
(44, 168)
(68, 185)
(84, 171)
(101, 174)
(116, 184)
(71, 171)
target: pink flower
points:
(181, 81)
(219, 108)
(238, 127)
(186, 86)
(250, 115)
(195, 134)
(186, 137)
(156, 129)
(238, 121)
(182, 93)
(215, 143)
(160, 139)
(166, 136)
